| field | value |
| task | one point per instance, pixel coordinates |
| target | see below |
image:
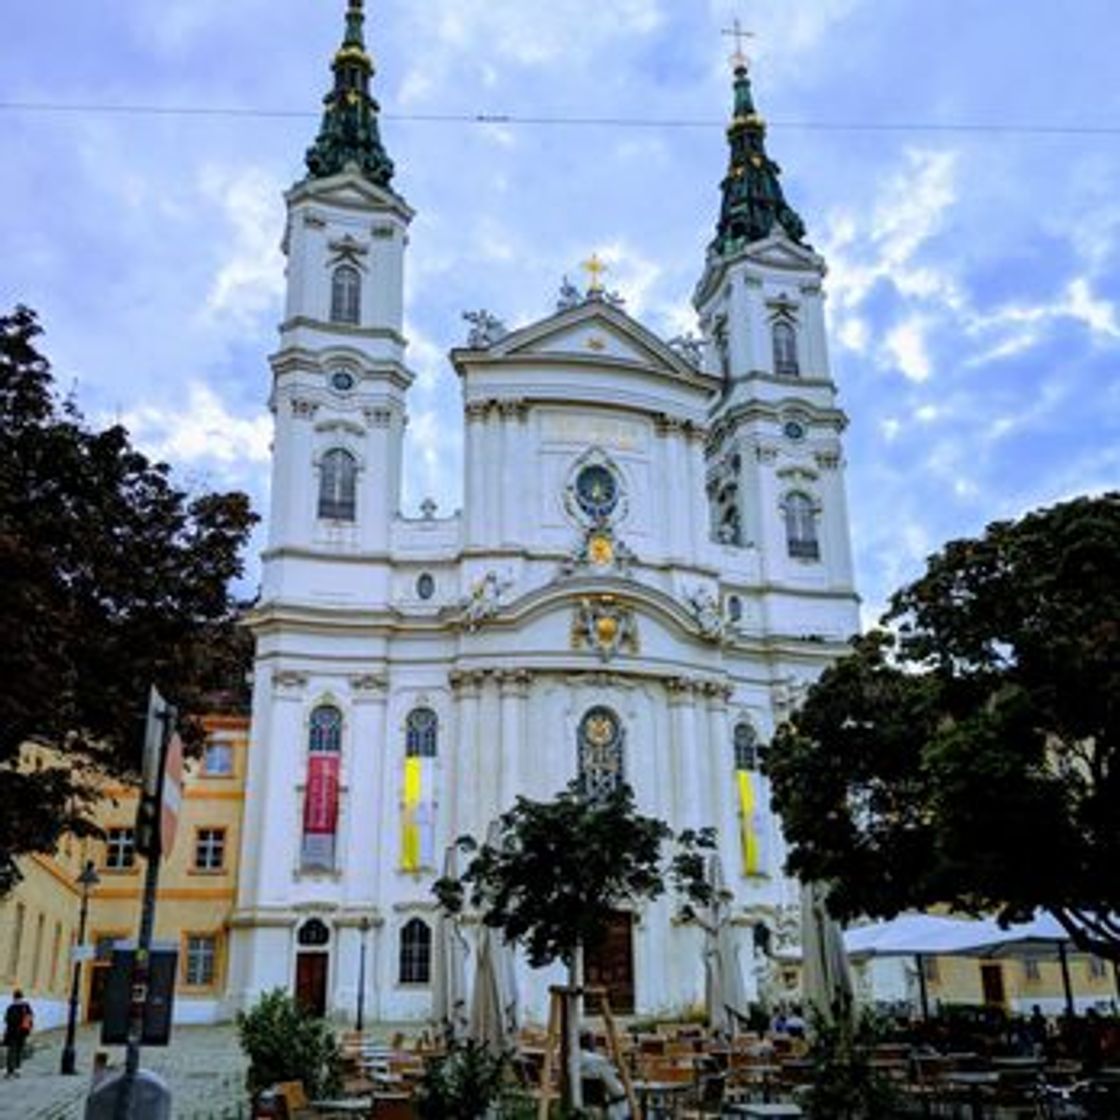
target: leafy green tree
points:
(285, 1042)
(559, 870)
(111, 579)
(969, 754)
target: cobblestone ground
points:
(204, 1067)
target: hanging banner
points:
(417, 815)
(750, 822)
(320, 810)
(172, 795)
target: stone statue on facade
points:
(484, 600)
(569, 297)
(486, 329)
(705, 611)
(689, 347)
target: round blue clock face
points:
(794, 429)
(596, 491)
(342, 380)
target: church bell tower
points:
(774, 462)
(339, 376)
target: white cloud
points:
(204, 430)
(251, 279)
(905, 345)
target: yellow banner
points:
(410, 824)
(749, 837)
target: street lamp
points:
(87, 880)
(363, 928)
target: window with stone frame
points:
(324, 734)
(784, 338)
(421, 733)
(415, 952)
(209, 849)
(346, 295)
(600, 745)
(801, 526)
(120, 849)
(217, 759)
(748, 750)
(200, 960)
(338, 485)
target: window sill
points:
(207, 872)
(119, 871)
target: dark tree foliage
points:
(970, 755)
(111, 580)
(560, 869)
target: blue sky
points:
(974, 275)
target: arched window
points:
(421, 733)
(600, 752)
(801, 527)
(325, 730)
(346, 294)
(416, 952)
(747, 751)
(338, 477)
(320, 801)
(785, 350)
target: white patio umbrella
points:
(493, 1020)
(826, 979)
(726, 1000)
(449, 972)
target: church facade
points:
(650, 564)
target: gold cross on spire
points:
(594, 269)
(737, 32)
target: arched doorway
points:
(312, 966)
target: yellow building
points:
(198, 880)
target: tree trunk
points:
(573, 1019)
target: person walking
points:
(19, 1020)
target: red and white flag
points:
(172, 794)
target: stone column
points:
(464, 776)
(514, 689)
(473, 501)
(683, 751)
(489, 751)
(364, 774)
(490, 525)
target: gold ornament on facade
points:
(600, 551)
(604, 624)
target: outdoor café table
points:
(759, 1110)
(657, 1097)
(975, 1081)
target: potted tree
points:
(553, 874)
(286, 1043)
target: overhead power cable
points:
(984, 127)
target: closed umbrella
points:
(449, 973)
(726, 1000)
(826, 979)
(493, 1021)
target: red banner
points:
(320, 809)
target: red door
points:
(610, 965)
(311, 982)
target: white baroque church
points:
(650, 564)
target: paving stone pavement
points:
(204, 1067)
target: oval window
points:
(425, 585)
(596, 491)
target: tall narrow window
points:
(320, 807)
(746, 746)
(338, 477)
(801, 527)
(749, 786)
(785, 350)
(418, 803)
(421, 733)
(346, 294)
(416, 952)
(600, 752)
(200, 961)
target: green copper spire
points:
(349, 132)
(752, 194)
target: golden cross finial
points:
(737, 32)
(595, 269)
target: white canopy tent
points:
(934, 935)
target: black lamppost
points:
(363, 929)
(87, 880)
